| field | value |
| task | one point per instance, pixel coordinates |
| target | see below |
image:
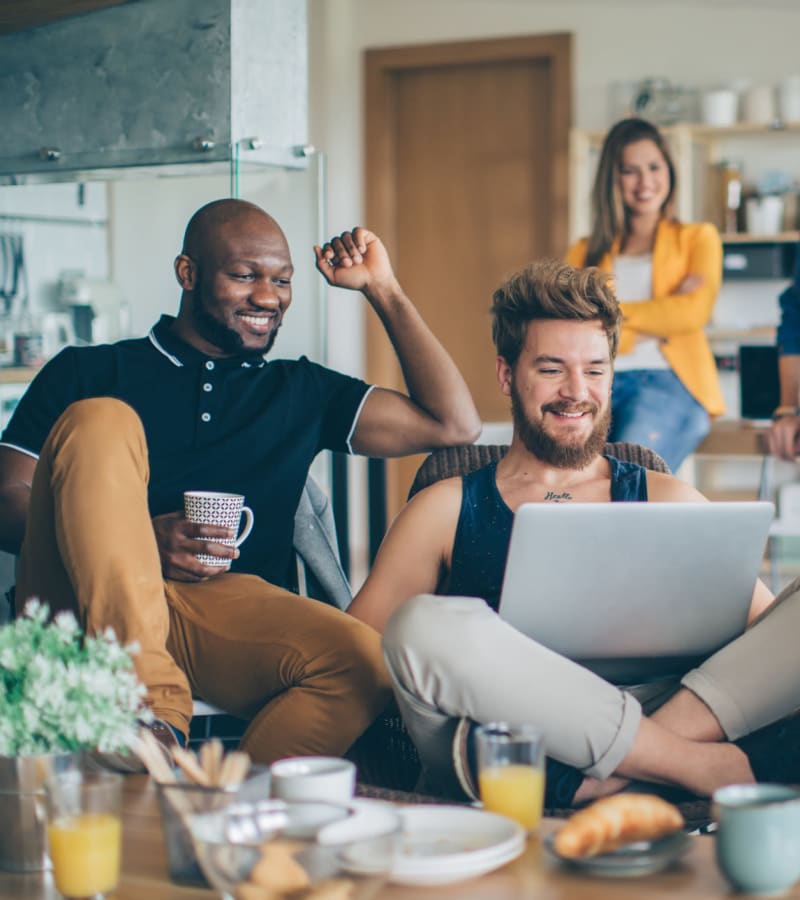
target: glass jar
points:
(730, 195)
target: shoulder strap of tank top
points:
(628, 481)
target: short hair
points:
(550, 289)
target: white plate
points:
(443, 844)
(642, 858)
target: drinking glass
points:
(511, 771)
(84, 831)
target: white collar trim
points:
(154, 341)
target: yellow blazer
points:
(676, 319)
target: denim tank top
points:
(483, 532)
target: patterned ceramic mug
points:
(213, 508)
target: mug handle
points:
(248, 526)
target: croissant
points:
(614, 821)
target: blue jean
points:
(652, 407)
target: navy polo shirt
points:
(240, 424)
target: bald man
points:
(95, 460)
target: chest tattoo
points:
(558, 498)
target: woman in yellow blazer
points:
(667, 277)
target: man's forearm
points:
(789, 370)
(782, 436)
(433, 380)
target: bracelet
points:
(782, 412)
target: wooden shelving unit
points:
(728, 438)
(745, 237)
(16, 375)
(760, 333)
(740, 129)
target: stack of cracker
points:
(212, 767)
(279, 876)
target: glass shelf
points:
(196, 157)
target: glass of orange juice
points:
(511, 771)
(84, 832)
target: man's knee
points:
(105, 417)
(432, 626)
(101, 425)
(430, 633)
(365, 649)
(354, 653)
(412, 625)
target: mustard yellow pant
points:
(310, 677)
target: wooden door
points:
(467, 167)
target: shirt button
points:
(209, 365)
(207, 387)
(206, 417)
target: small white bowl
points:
(323, 778)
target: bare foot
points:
(594, 788)
(722, 764)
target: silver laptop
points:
(634, 591)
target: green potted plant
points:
(61, 693)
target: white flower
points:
(67, 625)
(60, 691)
(35, 610)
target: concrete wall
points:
(139, 83)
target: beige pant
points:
(453, 656)
(310, 677)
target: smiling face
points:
(644, 178)
(236, 278)
(560, 391)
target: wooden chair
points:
(385, 754)
(451, 461)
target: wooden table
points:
(734, 437)
(533, 875)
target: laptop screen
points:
(649, 586)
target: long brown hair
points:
(610, 217)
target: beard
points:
(216, 332)
(547, 448)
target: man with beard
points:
(435, 586)
(95, 460)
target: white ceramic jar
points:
(789, 97)
(758, 105)
(764, 215)
(719, 107)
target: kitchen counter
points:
(17, 374)
(731, 463)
